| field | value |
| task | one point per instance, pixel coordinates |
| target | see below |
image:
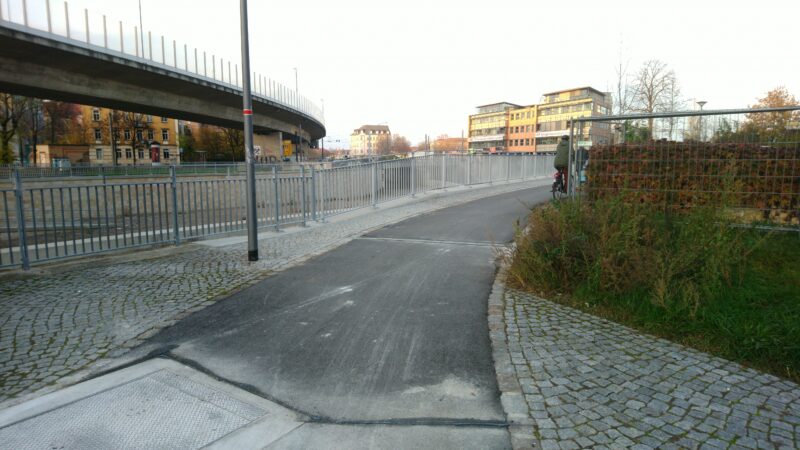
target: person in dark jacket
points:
(562, 154)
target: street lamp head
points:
(702, 103)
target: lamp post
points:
(247, 112)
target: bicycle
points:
(559, 188)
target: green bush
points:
(684, 275)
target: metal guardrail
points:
(82, 28)
(58, 221)
(45, 172)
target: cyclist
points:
(562, 159)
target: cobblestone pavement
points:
(59, 324)
(588, 382)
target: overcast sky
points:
(422, 66)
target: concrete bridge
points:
(171, 81)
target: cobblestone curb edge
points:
(521, 425)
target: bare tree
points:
(12, 110)
(651, 90)
(134, 128)
(383, 146)
(32, 126)
(234, 141)
(623, 93)
(400, 144)
(674, 103)
(61, 122)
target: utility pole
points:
(247, 112)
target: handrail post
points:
(524, 160)
(277, 199)
(23, 245)
(469, 170)
(508, 167)
(444, 171)
(491, 160)
(374, 184)
(322, 194)
(313, 195)
(174, 185)
(303, 193)
(413, 177)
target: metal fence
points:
(48, 221)
(747, 161)
(42, 171)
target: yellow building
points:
(137, 138)
(488, 128)
(537, 128)
(369, 140)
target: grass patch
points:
(688, 277)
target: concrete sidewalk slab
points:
(157, 404)
(385, 437)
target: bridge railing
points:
(58, 20)
(53, 220)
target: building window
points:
(139, 135)
(527, 141)
(128, 153)
(163, 119)
(96, 115)
(97, 135)
(149, 118)
(150, 135)
(166, 154)
(119, 153)
(116, 135)
(98, 154)
(164, 134)
(141, 153)
(127, 135)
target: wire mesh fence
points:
(747, 161)
(47, 221)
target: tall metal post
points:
(113, 141)
(569, 159)
(490, 168)
(23, 244)
(247, 111)
(141, 27)
(508, 167)
(174, 186)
